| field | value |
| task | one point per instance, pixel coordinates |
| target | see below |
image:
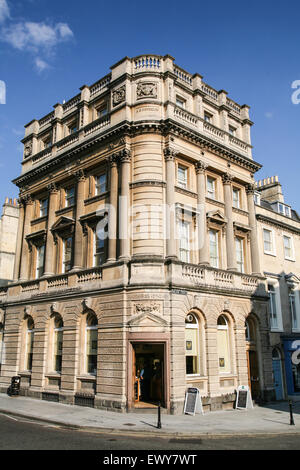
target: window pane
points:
(70, 197)
(40, 261)
(213, 248)
(192, 350)
(287, 247)
(58, 343)
(100, 183)
(267, 241)
(91, 350)
(184, 241)
(273, 307)
(43, 207)
(211, 188)
(236, 198)
(67, 254)
(182, 177)
(29, 350)
(239, 254)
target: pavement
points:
(272, 419)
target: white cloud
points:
(268, 115)
(4, 11)
(35, 36)
(41, 65)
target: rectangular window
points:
(232, 130)
(69, 197)
(180, 102)
(213, 249)
(192, 351)
(67, 254)
(40, 254)
(100, 184)
(268, 241)
(273, 307)
(293, 311)
(207, 117)
(99, 244)
(239, 254)
(184, 241)
(102, 111)
(211, 187)
(182, 173)
(43, 207)
(257, 198)
(73, 128)
(288, 247)
(236, 198)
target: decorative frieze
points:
(153, 308)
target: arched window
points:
(29, 344)
(247, 331)
(57, 343)
(276, 356)
(192, 345)
(91, 346)
(223, 345)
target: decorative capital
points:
(52, 188)
(227, 178)
(250, 188)
(200, 167)
(170, 154)
(125, 156)
(80, 175)
(27, 200)
(112, 160)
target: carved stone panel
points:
(118, 95)
(146, 90)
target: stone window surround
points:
(202, 345)
(292, 258)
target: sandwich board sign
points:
(243, 398)
(193, 403)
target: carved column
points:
(78, 239)
(201, 215)
(125, 159)
(230, 240)
(24, 275)
(112, 218)
(255, 261)
(170, 217)
(49, 258)
(19, 239)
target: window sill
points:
(290, 259)
(53, 375)
(98, 197)
(87, 377)
(268, 253)
(64, 210)
(25, 373)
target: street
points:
(23, 434)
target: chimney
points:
(270, 189)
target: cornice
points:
(280, 224)
(132, 128)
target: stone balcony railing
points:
(195, 275)
(181, 275)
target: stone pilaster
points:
(253, 234)
(201, 216)
(170, 218)
(49, 258)
(112, 219)
(24, 275)
(124, 207)
(19, 240)
(230, 241)
(78, 239)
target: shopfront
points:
(292, 364)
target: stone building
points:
(279, 245)
(137, 247)
(8, 239)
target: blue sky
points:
(50, 48)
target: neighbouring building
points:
(279, 243)
(138, 247)
(8, 239)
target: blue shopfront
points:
(291, 346)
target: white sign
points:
(193, 403)
(243, 398)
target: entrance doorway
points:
(277, 373)
(148, 375)
(253, 368)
